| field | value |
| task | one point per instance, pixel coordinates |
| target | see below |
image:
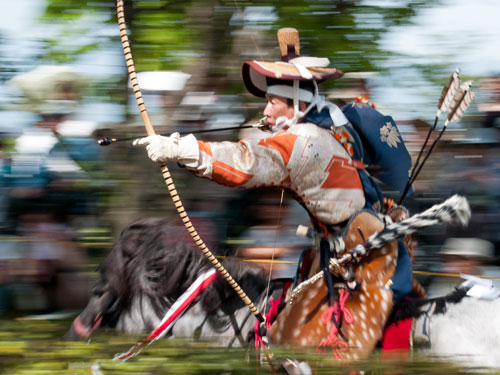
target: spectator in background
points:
(273, 237)
(463, 256)
(41, 179)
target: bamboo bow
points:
(166, 173)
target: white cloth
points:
(161, 149)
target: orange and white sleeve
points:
(248, 163)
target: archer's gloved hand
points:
(161, 149)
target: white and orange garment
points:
(305, 159)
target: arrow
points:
(448, 93)
(447, 96)
(105, 141)
(461, 101)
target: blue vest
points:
(377, 143)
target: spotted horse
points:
(350, 325)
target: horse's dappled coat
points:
(300, 322)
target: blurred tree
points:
(168, 35)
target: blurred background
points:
(63, 84)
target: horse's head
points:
(102, 310)
(148, 269)
(118, 282)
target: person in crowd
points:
(460, 257)
(41, 180)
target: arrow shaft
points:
(424, 145)
(449, 92)
(105, 141)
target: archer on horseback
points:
(314, 153)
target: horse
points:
(456, 326)
(148, 269)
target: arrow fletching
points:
(462, 100)
(448, 93)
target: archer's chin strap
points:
(319, 101)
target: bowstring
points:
(268, 287)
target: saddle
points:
(365, 309)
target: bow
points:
(166, 173)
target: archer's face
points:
(275, 108)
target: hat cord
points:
(283, 122)
(318, 101)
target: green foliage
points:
(166, 34)
(34, 347)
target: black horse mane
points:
(413, 308)
(150, 258)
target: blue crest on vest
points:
(377, 142)
(383, 146)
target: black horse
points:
(148, 269)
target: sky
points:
(467, 33)
(462, 34)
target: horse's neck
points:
(140, 317)
(230, 330)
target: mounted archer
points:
(315, 154)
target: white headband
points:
(286, 91)
(314, 100)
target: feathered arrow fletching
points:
(449, 92)
(462, 100)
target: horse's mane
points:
(150, 259)
(413, 308)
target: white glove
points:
(161, 149)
